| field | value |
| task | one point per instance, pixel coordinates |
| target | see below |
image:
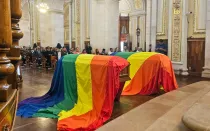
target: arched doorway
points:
(132, 20)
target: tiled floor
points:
(37, 82)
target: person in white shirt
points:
(110, 51)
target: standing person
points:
(161, 47)
(150, 48)
(34, 46)
(59, 46)
(89, 49)
(64, 52)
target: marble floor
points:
(36, 82)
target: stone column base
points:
(206, 72)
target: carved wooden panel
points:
(195, 56)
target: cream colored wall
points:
(196, 20)
(25, 26)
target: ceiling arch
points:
(125, 7)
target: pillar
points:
(14, 54)
(177, 35)
(77, 23)
(104, 24)
(70, 23)
(154, 23)
(6, 67)
(206, 72)
(148, 24)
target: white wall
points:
(25, 26)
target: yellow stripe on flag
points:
(84, 88)
(136, 60)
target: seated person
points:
(97, 52)
(110, 51)
(77, 51)
(103, 52)
(161, 47)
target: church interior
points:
(105, 65)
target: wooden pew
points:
(53, 61)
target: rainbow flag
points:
(82, 92)
(84, 87)
(149, 72)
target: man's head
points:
(111, 49)
(161, 41)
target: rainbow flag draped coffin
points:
(82, 92)
(149, 71)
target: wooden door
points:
(195, 56)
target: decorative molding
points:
(176, 30)
(195, 19)
(163, 20)
(137, 13)
(138, 4)
(56, 11)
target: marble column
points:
(82, 23)
(153, 24)
(206, 72)
(148, 24)
(70, 23)
(104, 24)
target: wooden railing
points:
(14, 54)
(10, 35)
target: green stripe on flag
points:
(70, 90)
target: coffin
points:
(150, 73)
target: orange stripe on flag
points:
(99, 67)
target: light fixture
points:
(42, 7)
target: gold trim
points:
(163, 20)
(176, 30)
(195, 23)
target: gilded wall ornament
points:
(176, 31)
(138, 4)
